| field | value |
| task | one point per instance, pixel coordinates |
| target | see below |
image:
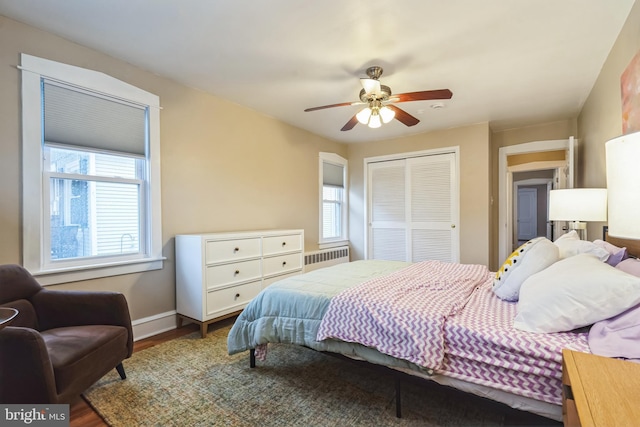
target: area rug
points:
(191, 381)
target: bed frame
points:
(633, 248)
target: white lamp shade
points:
(623, 183)
(363, 115)
(387, 114)
(578, 204)
(374, 121)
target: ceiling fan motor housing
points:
(385, 93)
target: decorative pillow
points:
(574, 292)
(630, 265)
(571, 245)
(616, 254)
(533, 256)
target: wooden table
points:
(599, 391)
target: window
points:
(333, 200)
(91, 174)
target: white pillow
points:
(533, 256)
(571, 245)
(574, 292)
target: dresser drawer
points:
(280, 244)
(228, 300)
(231, 250)
(282, 264)
(228, 274)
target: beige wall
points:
(224, 167)
(474, 184)
(601, 116)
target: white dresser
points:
(217, 274)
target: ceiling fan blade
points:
(424, 95)
(342, 104)
(404, 117)
(350, 124)
(371, 86)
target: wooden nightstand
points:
(599, 391)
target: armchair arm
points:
(26, 374)
(61, 308)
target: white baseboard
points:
(154, 325)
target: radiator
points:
(325, 258)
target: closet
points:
(413, 207)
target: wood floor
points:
(82, 415)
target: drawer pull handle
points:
(284, 263)
(237, 296)
(236, 250)
(236, 273)
(284, 243)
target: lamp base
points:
(580, 227)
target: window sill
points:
(333, 244)
(76, 274)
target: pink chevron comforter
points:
(444, 317)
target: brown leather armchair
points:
(61, 342)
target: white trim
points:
(335, 159)
(505, 184)
(154, 325)
(33, 69)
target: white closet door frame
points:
(454, 226)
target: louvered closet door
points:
(432, 208)
(412, 207)
(387, 217)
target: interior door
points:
(432, 208)
(565, 178)
(527, 213)
(413, 209)
(387, 211)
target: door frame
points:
(455, 150)
(505, 184)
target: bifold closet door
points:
(412, 208)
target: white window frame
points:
(343, 239)
(34, 69)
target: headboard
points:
(633, 246)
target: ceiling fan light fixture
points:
(387, 114)
(363, 115)
(374, 120)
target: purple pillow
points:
(616, 254)
(630, 265)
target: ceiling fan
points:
(379, 102)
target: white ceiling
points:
(509, 62)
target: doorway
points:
(556, 155)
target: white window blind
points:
(73, 117)
(332, 175)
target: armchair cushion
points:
(77, 351)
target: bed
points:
(446, 323)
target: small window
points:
(91, 174)
(333, 200)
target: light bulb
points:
(387, 114)
(363, 116)
(374, 121)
